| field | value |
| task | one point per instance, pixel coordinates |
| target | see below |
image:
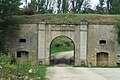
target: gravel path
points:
(71, 73)
(65, 72)
(65, 55)
(109, 73)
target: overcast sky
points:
(93, 3)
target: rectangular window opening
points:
(102, 42)
(22, 40)
(18, 54)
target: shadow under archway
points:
(62, 51)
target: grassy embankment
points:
(70, 18)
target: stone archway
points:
(48, 31)
(102, 59)
(65, 44)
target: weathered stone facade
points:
(85, 37)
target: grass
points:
(70, 18)
(98, 66)
(61, 44)
(105, 67)
(60, 49)
(41, 69)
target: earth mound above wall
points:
(70, 18)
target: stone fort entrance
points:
(77, 32)
(95, 44)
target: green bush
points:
(28, 11)
(20, 71)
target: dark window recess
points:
(18, 54)
(102, 42)
(118, 55)
(22, 53)
(22, 40)
(25, 53)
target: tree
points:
(59, 6)
(26, 3)
(73, 5)
(87, 7)
(64, 6)
(117, 28)
(100, 8)
(78, 5)
(113, 6)
(41, 6)
(33, 5)
(8, 24)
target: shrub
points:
(58, 45)
(28, 11)
(19, 71)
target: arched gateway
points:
(77, 32)
(65, 44)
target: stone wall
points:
(85, 37)
(29, 33)
(97, 33)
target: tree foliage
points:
(46, 6)
(87, 7)
(117, 28)
(115, 7)
(76, 6)
(100, 8)
(8, 24)
(112, 7)
(65, 6)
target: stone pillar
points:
(77, 45)
(47, 44)
(41, 42)
(83, 42)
